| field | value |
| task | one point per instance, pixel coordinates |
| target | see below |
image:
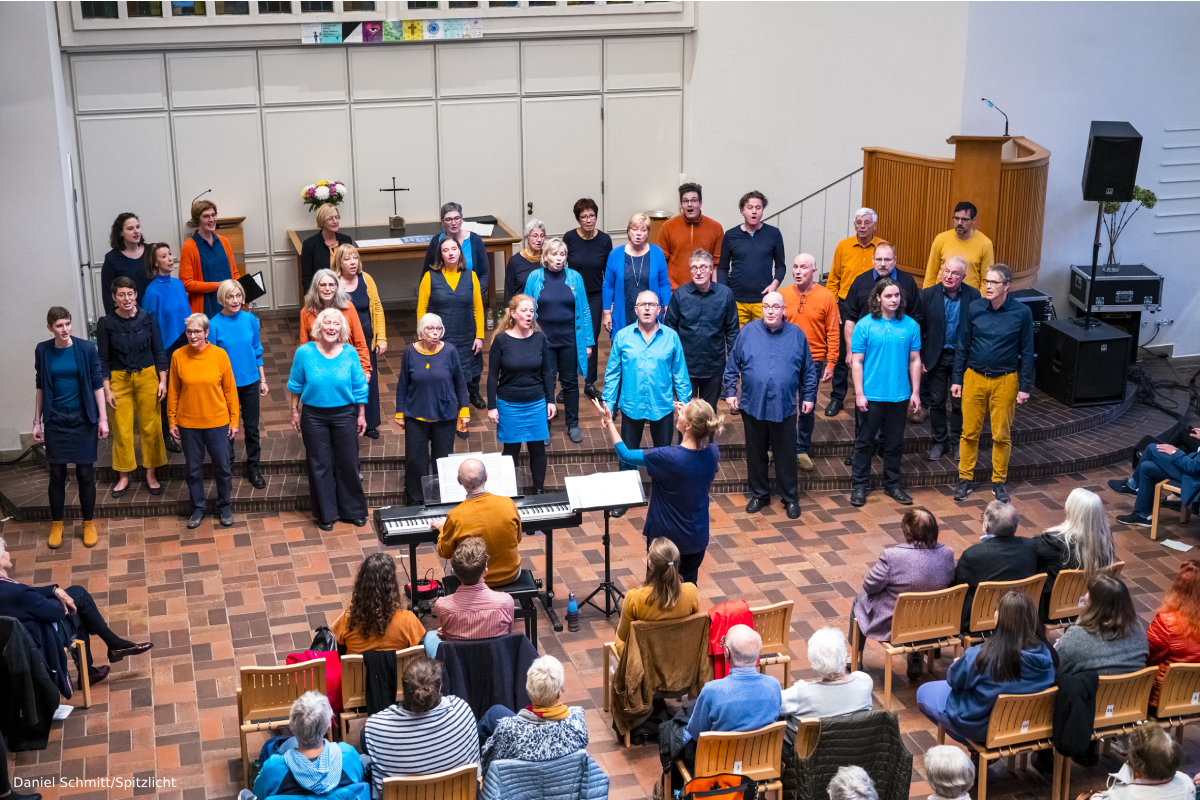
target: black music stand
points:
(600, 492)
(612, 595)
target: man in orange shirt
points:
(852, 258)
(814, 309)
(682, 235)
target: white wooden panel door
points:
(653, 62)
(303, 76)
(398, 140)
(476, 68)
(130, 82)
(479, 147)
(237, 178)
(205, 80)
(561, 65)
(562, 156)
(391, 73)
(642, 154)
(110, 187)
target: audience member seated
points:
(1015, 659)
(378, 617)
(833, 692)
(664, 595)
(54, 617)
(474, 611)
(950, 773)
(1108, 638)
(1174, 633)
(743, 700)
(1159, 462)
(1152, 771)
(921, 564)
(315, 766)
(852, 783)
(542, 731)
(425, 733)
(1084, 541)
(1001, 555)
(491, 517)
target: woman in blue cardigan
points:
(67, 414)
(566, 320)
(637, 267)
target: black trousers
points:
(708, 389)
(91, 623)
(248, 405)
(85, 476)
(935, 391)
(594, 301)
(331, 459)
(689, 565)
(215, 441)
(890, 419)
(660, 431)
(805, 423)
(564, 363)
(162, 405)
(421, 437)
(371, 411)
(537, 460)
(841, 370)
(1183, 440)
(778, 438)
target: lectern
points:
(976, 178)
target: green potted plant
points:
(1144, 198)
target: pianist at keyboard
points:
(491, 517)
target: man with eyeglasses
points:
(964, 241)
(646, 377)
(772, 358)
(851, 258)
(814, 309)
(681, 236)
(993, 372)
(705, 317)
(945, 305)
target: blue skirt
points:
(70, 438)
(522, 422)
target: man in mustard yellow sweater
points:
(491, 517)
(963, 241)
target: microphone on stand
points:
(190, 224)
(990, 105)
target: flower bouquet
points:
(320, 193)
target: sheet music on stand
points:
(483, 229)
(501, 475)
(605, 490)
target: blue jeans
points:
(491, 718)
(1153, 467)
(806, 422)
(931, 701)
(195, 441)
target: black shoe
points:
(172, 444)
(849, 460)
(95, 675)
(617, 512)
(1134, 519)
(936, 452)
(372, 433)
(15, 795)
(575, 434)
(1121, 487)
(132, 650)
(834, 408)
(227, 519)
(477, 400)
(735, 412)
(793, 511)
(1043, 761)
(757, 504)
(858, 497)
(155, 490)
(256, 478)
(1000, 491)
(325, 526)
(916, 665)
(898, 494)
(195, 519)
(359, 522)
(462, 434)
(118, 492)
(591, 392)
(963, 489)
(559, 398)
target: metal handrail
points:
(814, 194)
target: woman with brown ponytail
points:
(662, 596)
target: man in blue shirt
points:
(646, 364)
(886, 351)
(945, 305)
(772, 357)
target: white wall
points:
(1054, 67)
(34, 160)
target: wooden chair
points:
(354, 685)
(80, 658)
(987, 600)
(1185, 512)
(1020, 724)
(757, 754)
(1121, 703)
(1066, 596)
(264, 700)
(921, 623)
(1179, 698)
(455, 784)
(808, 733)
(774, 624)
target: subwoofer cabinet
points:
(1083, 366)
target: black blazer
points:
(87, 361)
(858, 299)
(933, 326)
(1011, 558)
(314, 255)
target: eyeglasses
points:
(772, 307)
(452, 219)
(196, 332)
(961, 219)
(589, 217)
(699, 267)
(647, 305)
(994, 283)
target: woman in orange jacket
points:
(206, 259)
(1174, 634)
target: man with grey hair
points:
(1000, 555)
(315, 765)
(945, 306)
(704, 315)
(491, 517)
(852, 783)
(744, 699)
(950, 773)
(851, 258)
(833, 692)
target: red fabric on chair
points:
(333, 673)
(721, 619)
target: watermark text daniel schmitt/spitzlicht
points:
(105, 782)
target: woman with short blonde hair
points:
(632, 269)
(364, 297)
(317, 251)
(544, 730)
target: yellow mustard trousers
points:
(136, 395)
(748, 312)
(980, 396)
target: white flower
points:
(322, 192)
(340, 189)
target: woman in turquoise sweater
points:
(235, 331)
(327, 379)
(634, 268)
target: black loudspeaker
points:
(1083, 366)
(1110, 168)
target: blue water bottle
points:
(572, 613)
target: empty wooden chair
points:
(1179, 698)
(1185, 512)
(757, 754)
(1067, 596)
(987, 600)
(921, 623)
(1020, 724)
(455, 784)
(264, 700)
(774, 624)
(354, 685)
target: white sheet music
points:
(605, 490)
(478, 227)
(501, 472)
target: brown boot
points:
(90, 537)
(56, 529)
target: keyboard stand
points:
(547, 595)
(612, 595)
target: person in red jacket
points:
(1174, 634)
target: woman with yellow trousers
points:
(133, 365)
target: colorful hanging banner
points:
(414, 30)
(433, 29)
(452, 29)
(393, 30)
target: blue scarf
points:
(321, 776)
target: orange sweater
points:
(816, 313)
(202, 392)
(357, 339)
(192, 277)
(493, 518)
(679, 240)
